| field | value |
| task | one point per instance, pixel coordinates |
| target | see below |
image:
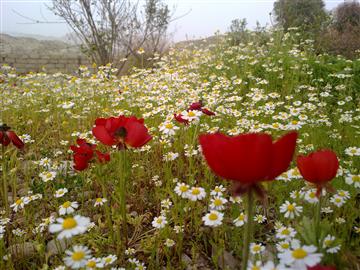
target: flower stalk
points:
(247, 232)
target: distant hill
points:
(29, 46)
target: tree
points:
(308, 15)
(111, 30)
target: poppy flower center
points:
(69, 223)
(121, 132)
(299, 253)
(4, 128)
(78, 256)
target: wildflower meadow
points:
(217, 157)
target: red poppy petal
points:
(102, 157)
(103, 136)
(282, 154)
(306, 168)
(100, 121)
(136, 134)
(244, 158)
(327, 165)
(15, 139)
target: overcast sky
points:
(201, 17)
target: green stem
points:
(5, 184)
(317, 220)
(123, 178)
(247, 232)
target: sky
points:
(195, 19)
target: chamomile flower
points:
(169, 242)
(168, 128)
(47, 176)
(68, 208)
(70, 226)
(191, 115)
(260, 218)
(110, 259)
(300, 257)
(256, 248)
(218, 203)
(159, 222)
(77, 257)
(240, 220)
(290, 210)
(196, 194)
(310, 196)
(217, 191)
(329, 244)
(283, 246)
(182, 190)
(213, 218)
(337, 200)
(60, 192)
(18, 204)
(100, 201)
(352, 151)
(94, 263)
(353, 179)
(285, 232)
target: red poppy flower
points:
(84, 153)
(198, 106)
(121, 131)
(178, 117)
(7, 136)
(318, 167)
(320, 267)
(248, 158)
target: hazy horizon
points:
(196, 19)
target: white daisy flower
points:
(110, 259)
(240, 220)
(77, 258)
(337, 200)
(290, 210)
(168, 128)
(70, 226)
(300, 257)
(213, 218)
(260, 218)
(352, 151)
(218, 191)
(182, 190)
(61, 192)
(285, 232)
(256, 248)
(310, 196)
(100, 201)
(218, 203)
(68, 208)
(159, 222)
(191, 115)
(47, 176)
(353, 179)
(196, 194)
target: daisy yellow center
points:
(291, 207)
(255, 268)
(299, 253)
(337, 200)
(69, 223)
(19, 201)
(275, 125)
(213, 216)
(191, 113)
(356, 178)
(256, 248)
(217, 202)
(66, 204)
(296, 172)
(353, 151)
(78, 256)
(312, 195)
(49, 175)
(341, 193)
(107, 260)
(328, 242)
(294, 122)
(183, 188)
(285, 245)
(195, 191)
(91, 264)
(285, 232)
(169, 126)
(217, 189)
(98, 200)
(241, 217)
(159, 220)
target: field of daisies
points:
(218, 157)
